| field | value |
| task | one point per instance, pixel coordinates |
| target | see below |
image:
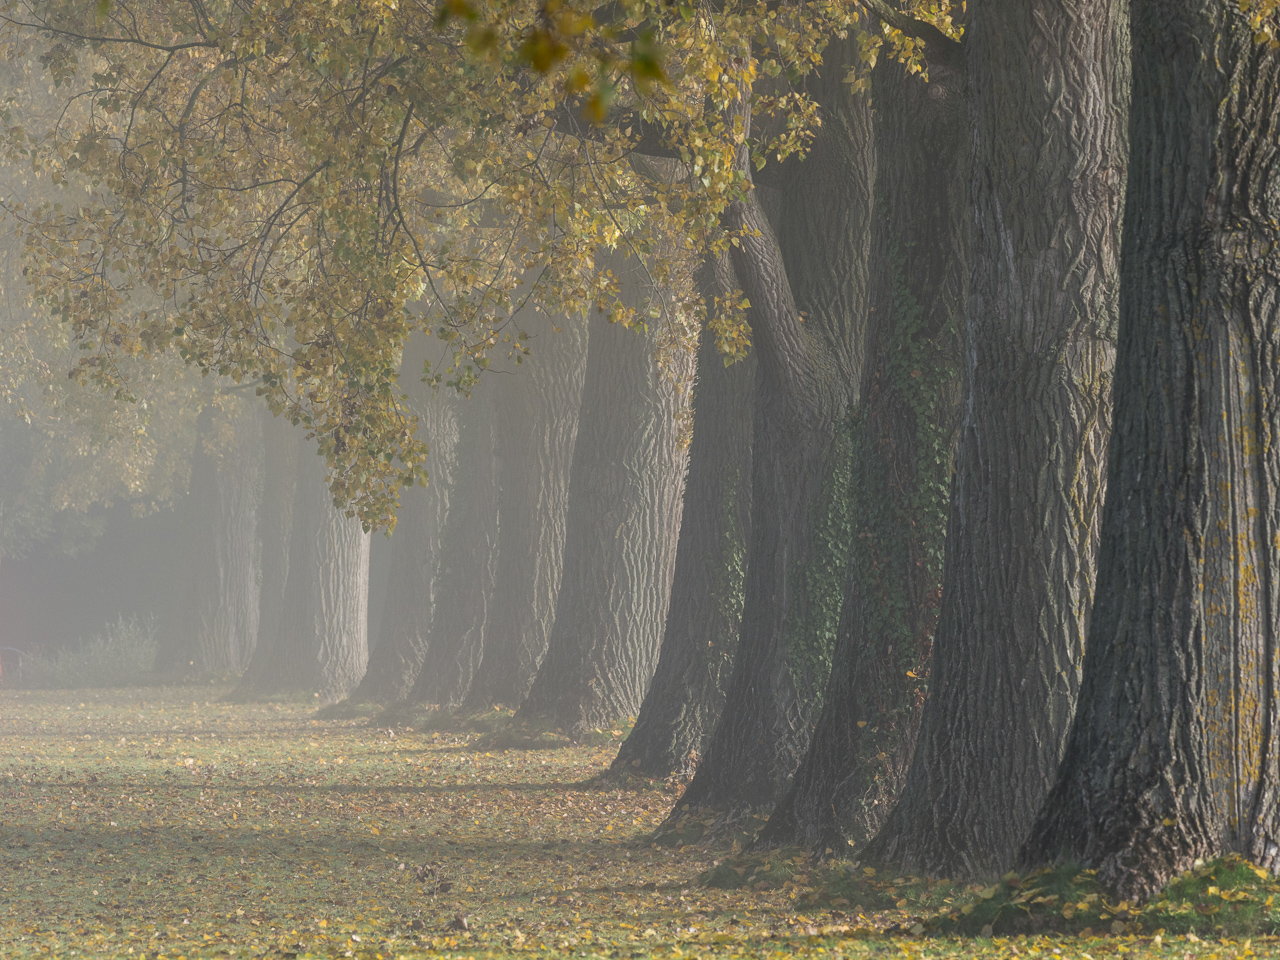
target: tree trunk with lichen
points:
(1048, 83)
(807, 288)
(1175, 751)
(904, 434)
(625, 488)
(701, 635)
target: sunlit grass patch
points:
(1225, 897)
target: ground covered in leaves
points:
(167, 822)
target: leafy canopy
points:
(281, 191)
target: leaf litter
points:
(167, 822)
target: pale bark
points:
(405, 625)
(468, 559)
(216, 626)
(687, 693)
(625, 487)
(537, 428)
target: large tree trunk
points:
(281, 442)
(322, 645)
(687, 692)
(216, 627)
(1049, 88)
(807, 289)
(468, 558)
(338, 564)
(1175, 750)
(625, 487)
(904, 434)
(405, 625)
(537, 429)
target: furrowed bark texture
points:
(1173, 754)
(536, 431)
(468, 559)
(322, 645)
(687, 693)
(281, 442)
(1049, 93)
(338, 568)
(217, 623)
(401, 647)
(904, 434)
(807, 375)
(625, 487)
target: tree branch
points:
(910, 26)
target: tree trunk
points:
(281, 442)
(468, 558)
(537, 429)
(396, 659)
(322, 645)
(625, 488)
(904, 434)
(216, 627)
(1173, 754)
(808, 294)
(1049, 89)
(688, 688)
(338, 564)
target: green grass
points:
(1227, 897)
(167, 822)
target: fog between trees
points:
(969, 563)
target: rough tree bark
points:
(807, 289)
(1049, 93)
(701, 635)
(1174, 751)
(536, 431)
(625, 487)
(401, 647)
(216, 626)
(322, 645)
(904, 434)
(468, 558)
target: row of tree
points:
(887, 570)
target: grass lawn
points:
(166, 822)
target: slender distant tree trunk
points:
(904, 434)
(468, 559)
(281, 442)
(322, 645)
(621, 530)
(1175, 749)
(536, 430)
(217, 623)
(401, 647)
(807, 289)
(1049, 89)
(687, 692)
